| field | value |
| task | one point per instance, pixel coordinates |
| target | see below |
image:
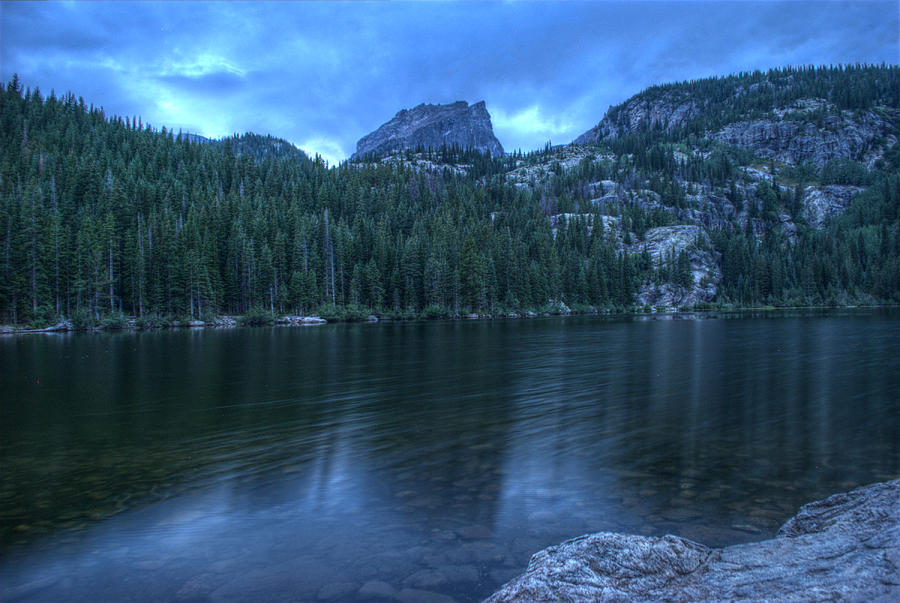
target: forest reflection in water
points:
(328, 462)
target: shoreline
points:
(843, 547)
(235, 321)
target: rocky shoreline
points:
(131, 325)
(639, 312)
(843, 548)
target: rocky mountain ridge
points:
(787, 134)
(429, 126)
(789, 115)
(767, 156)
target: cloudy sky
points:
(324, 74)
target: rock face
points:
(809, 130)
(431, 127)
(842, 135)
(662, 244)
(846, 547)
(668, 241)
(667, 112)
(820, 204)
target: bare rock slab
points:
(843, 548)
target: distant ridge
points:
(795, 115)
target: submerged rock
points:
(846, 547)
(376, 589)
(414, 595)
(336, 591)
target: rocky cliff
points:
(432, 127)
(667, 112)
(792, 117)
(843, 548)
(789, 137)
(820, 204)
(667, 242)
(809, 130)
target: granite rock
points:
(846, 547)
(432, 127)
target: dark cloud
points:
(322, 75)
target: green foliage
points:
(845, 171)
(114, 320)
(799, 174)
(435, 311)
(347, 313)
(751, 95)
(257, 316)
(103, 216)
(151, 320)
(45, 317)
(83, 319)
(855, 260)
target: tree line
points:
(106, 216)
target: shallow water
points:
(316, 463)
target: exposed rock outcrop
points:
(432, 127)
(846, 547)
(59, 327)
(839, 135)
(301, 320)
(664, 243)
(808, 130)
(820, 204)
(667, 112)
(527, 174)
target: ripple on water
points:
(425, 461)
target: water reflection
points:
(351, 461)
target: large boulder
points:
(843, 548)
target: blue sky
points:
(324, 74)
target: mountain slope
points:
(100, 217)
(793, 115)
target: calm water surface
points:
(337, 462)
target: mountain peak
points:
(431, 127)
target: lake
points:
(424, 461)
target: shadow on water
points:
(347, 462)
